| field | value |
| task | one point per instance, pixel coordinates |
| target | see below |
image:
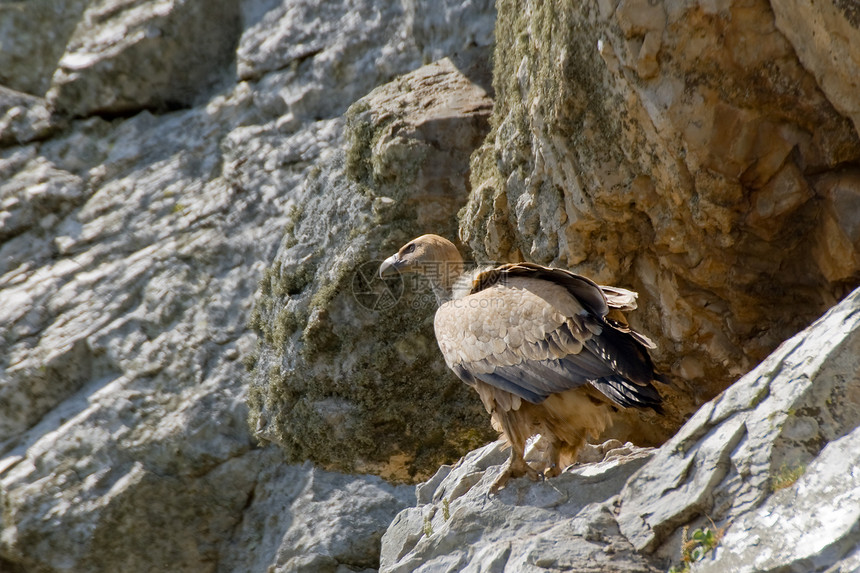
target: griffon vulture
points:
(548, 351)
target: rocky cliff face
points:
(192, 198)
(764, 471)
(684, 148)
(154, 157)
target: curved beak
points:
(390, 266)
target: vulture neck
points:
(446, 280)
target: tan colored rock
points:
(825, 34)
(678, 148)
(837, 247)
(435, 115)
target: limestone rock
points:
(837, 238)
(23, 118)
(450, 27)
(682, 149)
(131, 246)
(771, 452)
(767, 467)
(361, 402)
(825, 36)
(33, 36)
(558, 525)
(344, 48)
(123, 320)
(134, 239)
(304, 519)
(127, 56)
(811, 524)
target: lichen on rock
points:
(144, 188)
(320, 390)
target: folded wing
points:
(533, 331)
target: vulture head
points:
(432, 256)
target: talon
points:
(551, 472)
(514, 469)
(500, 482)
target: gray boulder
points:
(558, 525)
(132, 242)
(765, 471)
(304, 519)
(348, 373)
(767, 462)
(125, 56)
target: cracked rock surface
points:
(704, 153)
(152, 155)
(189, 191)
(554, 525)
(769, 466)
(771, 448)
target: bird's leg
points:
(553, 468)
(516, 467)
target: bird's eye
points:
(410, 248)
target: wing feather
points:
(536, 331)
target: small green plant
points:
(446, 509)
(695, 547)
(428, 527)
(786, 477)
